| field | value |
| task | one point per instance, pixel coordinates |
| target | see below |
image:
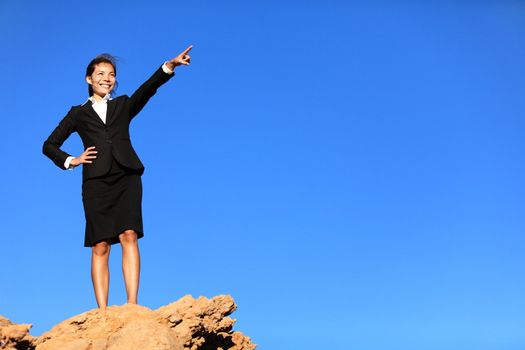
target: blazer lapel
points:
(88, 109)
(110, 111)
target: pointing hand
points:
(181, 59)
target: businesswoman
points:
(111, 170)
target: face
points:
(102, 80)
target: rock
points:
(187, 324)
(15, 336)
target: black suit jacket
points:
(110, 139)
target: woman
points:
(111, 174)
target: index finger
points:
(89, 148)
(187, 50)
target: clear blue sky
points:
(352, 172)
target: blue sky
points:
(351, 172)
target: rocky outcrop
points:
(15, 336)
(187, 324)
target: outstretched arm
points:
(138, 100)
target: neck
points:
(98, 98)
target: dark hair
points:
(102, 58)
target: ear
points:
(88, 80)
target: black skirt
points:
(112, 205)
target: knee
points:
(128, 237)
(101, 248)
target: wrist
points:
(168, 68)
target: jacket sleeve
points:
(138, 100)
(51, 147)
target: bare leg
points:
(100, 272)
(130, 264)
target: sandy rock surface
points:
(187, 324)
(14, 336)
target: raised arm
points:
(138, 100)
